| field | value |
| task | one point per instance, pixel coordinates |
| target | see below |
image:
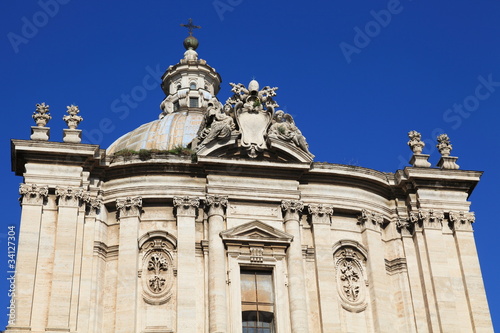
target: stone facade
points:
(158, 241)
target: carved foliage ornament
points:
(462, 220)
(444, 145)
(351, 283)
(158, 271)
(69, 196)
(32, 193)
(292, 206)
(129, 206)
(370, 219)
(72, 118)
(416, 144)
(428, 219)
(41, 115)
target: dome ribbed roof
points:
(175, 129)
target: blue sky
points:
(355, 75)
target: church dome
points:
(173, 130)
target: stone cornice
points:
(25, 151)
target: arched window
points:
(192, 85)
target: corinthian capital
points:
(292, 206)
(33, 194)
(186, 205)
(129, 206)
(370, 220)
(320, 214)
(215, 204)
(462, 220)
(429, 219)
(69, 196)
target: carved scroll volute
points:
(292, 209)
(129, 206)
(33, 194)
(186, 206)
(462, 220)
(69, 196)
(216, 204)
(158, 271)
(351, 281)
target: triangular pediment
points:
(256, 231)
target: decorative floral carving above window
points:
(350, 275)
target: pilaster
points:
(381, 308)
(471, 271)
(325, 269)
(216, 206)
(431, 222)
(86, 320)
(296, 274)
(69, 201)
(32, 200)
(129, 212)
(186, 209)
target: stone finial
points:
(41, 115)
(416, 144)
(72, 119)
(444, 145)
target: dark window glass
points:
(257, 301)
(193, 102)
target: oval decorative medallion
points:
(351, 282)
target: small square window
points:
(176, 106)
(193, 102)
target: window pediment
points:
(256, 231)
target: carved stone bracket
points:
(292, 209)
(429, 219)
(370, 220)
(216, 204)
(33, 194)
(129, 206)
(186, 205)
(320, 214)
(69, 196)
(462, 220)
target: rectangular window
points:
(193, 102)
(257, 301)
(176, 106)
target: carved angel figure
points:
(283, 127)
(218, 123)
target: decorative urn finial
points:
(41, 115)
(72, 119)
(444, 145)
(416, 144)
